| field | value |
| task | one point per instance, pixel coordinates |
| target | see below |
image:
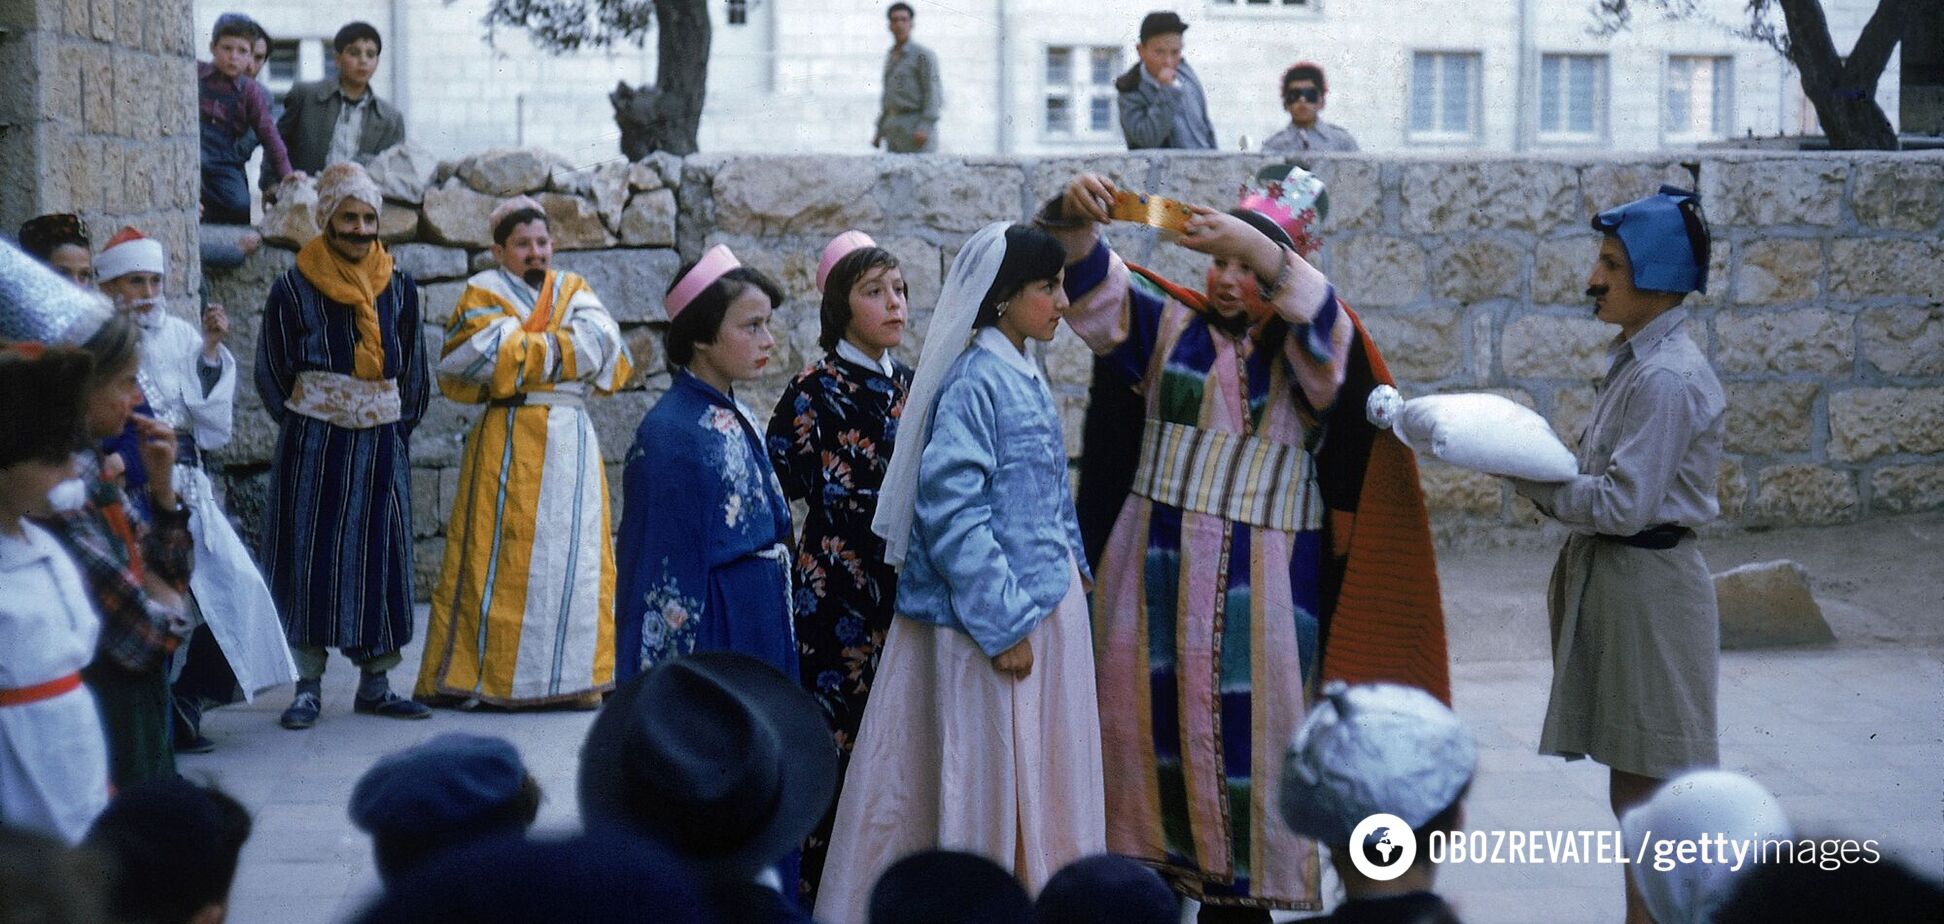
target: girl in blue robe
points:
(703, 555)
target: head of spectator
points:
(130, 270)
(42, 881)
(1107, 889)
(174, 846)
(717, 755)
(1370, 749)
(232, 45)
(61, 241)
(605, 876)
(448, 792)
(1160, 46)
(259, 39)
(259, 53)
(1285, 204)
(898, 18)
(357, 47)
(718, 319)
(1701, 804)
(1870, 887)
(522, 242)
(949, 887)
(43, 398)
(1655, 250)
(349, 200)
(864, 295)
(1304, 91)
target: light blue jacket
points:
(994, 537)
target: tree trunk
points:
(1844, 93)
(682, 71)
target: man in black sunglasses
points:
(1303, 92)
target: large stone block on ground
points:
(1779, 270)
(1768, 605)
(1812, 340)
(1478, 269)
(1899, 195)
(1805, 495)
(816, 195)
(574, 222)
(1886, 269)
(398, 223)
(629, 282)
(649, 219)
(1868, 422)
(1795, 191)
(454, 214)
(1907, 488)
(403, 172)
(292, 220)
(1418, 346)
(1769, 418)
(1903, 341)
(503, 172)
(430, 262)
(1379, 271)
(1532, 196)
(1551, 346)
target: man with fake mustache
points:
(1634, 625)
(188, 381)
(524, 612)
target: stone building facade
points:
(99, 118)
(1825, 315)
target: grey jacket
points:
(311, 114)
(1149, 112)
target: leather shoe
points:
(391, 706)
(302, 712)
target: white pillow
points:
(1483, 432)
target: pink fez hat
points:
(715, 263)
(841, 246)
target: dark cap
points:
(1161, 23)
(440, 785)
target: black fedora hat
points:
(718, 755)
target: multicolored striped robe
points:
(524, 613)
(1209, 630)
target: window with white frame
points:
(1225, 5)
(1699, 91)
(1080, 96)
(1444, 95)
(1572, 98)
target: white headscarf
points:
(1704, 803)
(971, 276)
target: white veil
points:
(966, 285)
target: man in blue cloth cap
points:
(1634, 627)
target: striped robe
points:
(337, 536)
(517, 621)
(1212, 612)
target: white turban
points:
(343, 181)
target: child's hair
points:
(43, 401)
(1031, 255)
(236, 25)
(835, 312)
(175, 845)
(699, 322)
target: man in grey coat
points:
(908, 120)
(1161, 99)
(331, 121)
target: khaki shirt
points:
(1653, 449)
(912, 97)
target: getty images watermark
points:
(1396, 848)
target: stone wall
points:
(99, 118)
(1825, 315)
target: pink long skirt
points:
(952, 754)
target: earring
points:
(1000, 309)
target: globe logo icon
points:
(1382, 847)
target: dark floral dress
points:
(830, 441)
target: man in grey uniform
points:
(1635, 629)
(908, 121)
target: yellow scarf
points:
(357, 285)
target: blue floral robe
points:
(703, 551)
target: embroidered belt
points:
(1242, 478)
(21, 696)
(554, 398)
(345, 401)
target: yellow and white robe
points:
(524, 611)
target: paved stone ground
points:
(1850, 736)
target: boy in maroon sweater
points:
(231, 104)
